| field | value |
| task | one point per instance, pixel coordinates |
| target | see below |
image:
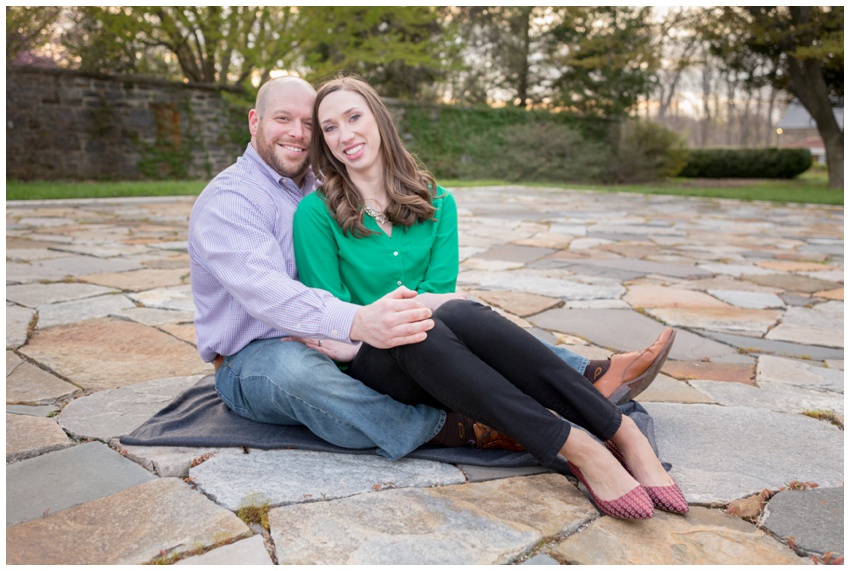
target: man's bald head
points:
(281, 125)
(279, 85)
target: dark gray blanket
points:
(197, 417)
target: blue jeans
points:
(284, 382)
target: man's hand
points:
(434, 300)
(395, 319)
(339, 351)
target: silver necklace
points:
(380, 217)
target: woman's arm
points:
(441, 274)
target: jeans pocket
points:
(228, 391)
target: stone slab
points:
(487, 523)
(136, 353)
(27, 384)
(139, 280)
(155, 317)
(778, 397)
(737, 270)
(754, 345)
(666, 389)
(518, 303)
(515, 253)
(792, 283)
(34, 295)
(770, 449)
(728, 320)
(805, 374)
(108, 414)
(660, 296)
(710, 371)
(541, 282)
(177, 297)
(626, 330)
(812, 519)
(251, 551)
(281, 477)
(644, 267)
(540, 559)
(170, 461)
(134, 526)
(44, 410)
(17, 325)
(82, 265)
(59, 480)
(748, 299)
(67, 312)
(836, 294)
(820, 325)
(183, 331)
(19, 273)
(28, 436)
(792, 266)
(702, 537)
(19, 254)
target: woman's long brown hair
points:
(410, 187)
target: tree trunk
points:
(807, 83)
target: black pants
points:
(481, 365)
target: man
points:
(249, 302)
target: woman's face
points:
(351, 132)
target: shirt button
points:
(399, 282)
(395, 253)
(335, 333)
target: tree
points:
(28, 27)
(399, 50)
(207, 44)
(802, 51)
(607, 59)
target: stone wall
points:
(64, 125)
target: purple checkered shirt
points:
(242, 266)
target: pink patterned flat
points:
(667, 498)
(634, 504)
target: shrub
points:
(645, 151)
(746, 163)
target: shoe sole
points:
(628, 391)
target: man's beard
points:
(290, 169)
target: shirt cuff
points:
(338, 320)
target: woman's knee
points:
(461, 312)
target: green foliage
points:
(208, 44)
(747, 163)
(525, 146)
(398, 49)
(610, 59)
(645, 152)
(28, 27)
(799, 49)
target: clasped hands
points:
(401, 317)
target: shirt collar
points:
(308, 185)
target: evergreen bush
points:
(746, 163)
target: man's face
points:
(281, 130)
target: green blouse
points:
(423, 257)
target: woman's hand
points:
(434, 300)
(339, 351)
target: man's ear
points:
(253, 121)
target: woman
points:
(379, 222)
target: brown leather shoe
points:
(634, 371)
(487, 438)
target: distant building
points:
(797, 129)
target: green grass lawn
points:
(811, 188)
